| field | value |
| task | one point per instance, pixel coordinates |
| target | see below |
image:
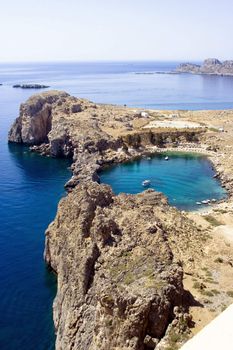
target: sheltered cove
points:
(120, 260)
(188, 180)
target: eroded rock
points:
(117, 283)
(117, 258)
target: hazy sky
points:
(42, 30)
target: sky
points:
(115, 30)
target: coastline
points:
(210, 66)
(102, 149)
(213, 158)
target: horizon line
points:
(102, 61)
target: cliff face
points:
(57, 124)
(118, 279)
(117, 258)
(35, 120)
(210, 66)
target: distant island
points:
(210, 66)
(30, 86)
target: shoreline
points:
(212, 157)
(88, 226)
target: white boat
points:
(166, 158)
(206, 201)
(198, 203)
(146, 183)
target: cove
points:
(184, 178)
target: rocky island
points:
(132, 272)
(210, 66)
(30, 86)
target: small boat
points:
(206, 201)
(213, 200)
(146, 183)
(166, 158)
(148, 158)
(198, 203)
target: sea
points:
(31, 185)
(186, 179)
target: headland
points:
(133, 272)
(211, 66)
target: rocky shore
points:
(121, 261)
(210, 66)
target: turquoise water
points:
(185, 179)
(31, 186)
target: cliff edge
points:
(119, 259)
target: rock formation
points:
(30, 86)
(117, 258)
(118, 279)
(35, 120)
(210, 66)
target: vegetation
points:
(215, 291)
(223, 307)
(213, 129)
(212, 220)
(221, 211)
(176, 339)
(230, 293)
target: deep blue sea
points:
(185, 178)
(31, 186)
(119, 83)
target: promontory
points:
(210, 66)
(133, 273)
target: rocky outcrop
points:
(60, 125)
(210, 66)
(118, 279)
(117, 258)
(35, 120)
(64, 122)
(30, 86)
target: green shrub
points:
(230, 293)
(213, 221)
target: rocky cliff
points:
(119, 259)
(119, 282)
(210, 66)
(57, 124)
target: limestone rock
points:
(35, 120)
(117, 258)
(210, 66)
(117, 283)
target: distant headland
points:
(210, 66)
